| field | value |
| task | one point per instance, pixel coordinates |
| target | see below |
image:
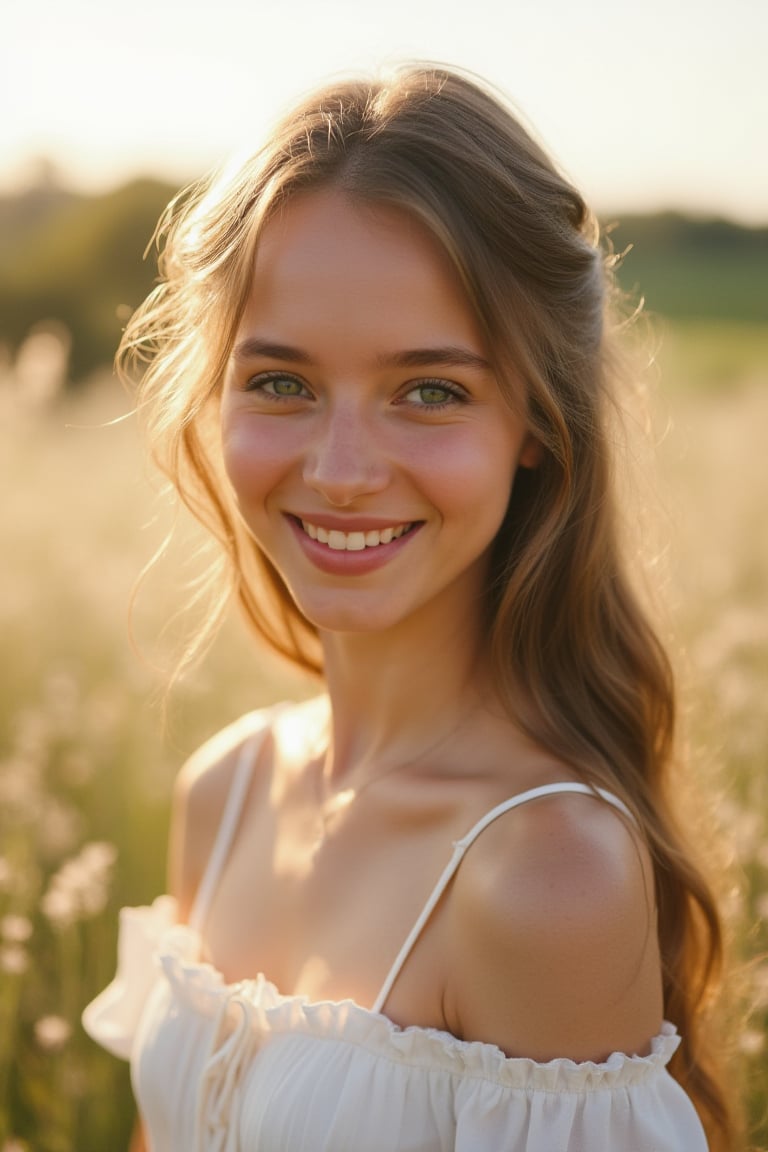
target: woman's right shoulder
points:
(199, 796)
(207, 774)
(204, 782)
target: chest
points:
(325, 916)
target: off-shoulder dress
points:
(220, 1067)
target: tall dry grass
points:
(86, 761)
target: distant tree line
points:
(78, 260)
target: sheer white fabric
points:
(222, 1067)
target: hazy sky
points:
(648, 104)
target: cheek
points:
(470, 479)
(256, 454)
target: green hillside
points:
(692, 269)
(78, 260)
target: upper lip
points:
(351, 523)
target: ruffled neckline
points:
(200, 985)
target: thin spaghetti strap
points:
(459, 849)
(241, 778)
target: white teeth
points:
(352, 541)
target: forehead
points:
(312, 225)
(334, 260)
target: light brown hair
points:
(575, 657)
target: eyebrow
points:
(253, 347)
(450, 355)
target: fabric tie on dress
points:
(229, 1053)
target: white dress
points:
(220, 1067)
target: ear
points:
(531, 453)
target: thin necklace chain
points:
(330, 805)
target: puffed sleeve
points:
(113, 1017)
(626, 1104)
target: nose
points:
(346, 459)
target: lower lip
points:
(343, 563)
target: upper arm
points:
(553, 935)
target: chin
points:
(346, 622)
(347, 614)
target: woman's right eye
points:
(278, 386)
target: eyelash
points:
(257, 384)
(454, 394)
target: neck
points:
(396, 695)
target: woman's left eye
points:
(435, 394)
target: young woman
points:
(379, 368)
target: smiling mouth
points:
(354, 541)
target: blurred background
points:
(658, 112)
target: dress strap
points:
(459, 849)
(230, 818)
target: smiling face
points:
(369, 448)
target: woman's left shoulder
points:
(553, 933)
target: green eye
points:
(278, 386)
(435, 394)
(285, 386)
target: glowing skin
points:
(366, 440)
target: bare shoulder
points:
(199, 796)
(553, 934)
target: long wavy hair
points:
(575, 657)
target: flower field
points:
(88, 751)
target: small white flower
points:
(59, 906)
(13, 959)
(52, 1032)
(15, 929)
(80, 888)
(99, 854)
